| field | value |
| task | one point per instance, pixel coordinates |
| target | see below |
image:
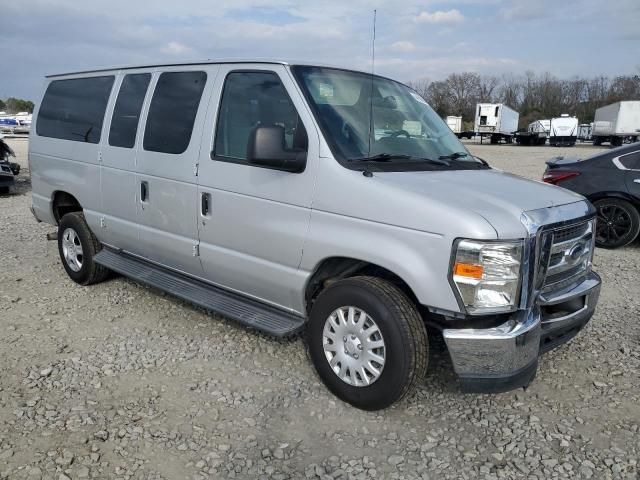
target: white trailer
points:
(456, 126)
(616, 123)
(497, 121)
(536, 134)
(585, 131)
(546, 124)
(454, 123)
(563, 131)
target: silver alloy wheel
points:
(72, 249)
(354, 346)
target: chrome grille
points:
(570, 255)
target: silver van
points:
(292, 197)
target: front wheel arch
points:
(333, 269)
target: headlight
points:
(487, 275)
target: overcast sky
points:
(415, 39)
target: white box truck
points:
(536, 134)
(497, 121)
(617, 123)
(457, 127)
(563, 131)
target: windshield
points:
(376, 120)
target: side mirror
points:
(266, 148)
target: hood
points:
(497, 196)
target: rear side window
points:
(252, 99)
(173, 110)
(124, 123)
(74, 109)
(631, 161)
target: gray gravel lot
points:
(121, 381)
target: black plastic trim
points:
(499, 383)
(552, 336)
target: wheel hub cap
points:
(72, 249)
(354, 346)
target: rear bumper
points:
(505, 357)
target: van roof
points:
(201, 62)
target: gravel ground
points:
(120, 381)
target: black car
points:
(611, 181)
(8, 170)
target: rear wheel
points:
(367, 341)
(77, 247)
(618, 223)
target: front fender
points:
(420, 259)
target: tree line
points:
(534, 96)
(16, 105)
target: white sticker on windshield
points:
(418, 98)
(325, 90)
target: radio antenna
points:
(373, 43)
(373, 63)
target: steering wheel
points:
(397, 133)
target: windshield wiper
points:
(453, 156)
(388, 157)
(381, 157)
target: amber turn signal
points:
(468, 270)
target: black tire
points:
(90, 272)
(401, 326)
(618, 223)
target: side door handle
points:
(144, 191)
(205, 204)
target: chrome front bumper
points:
(506, 357)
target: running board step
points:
(246, 311)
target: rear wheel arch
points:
(63, 203)
(614, 194)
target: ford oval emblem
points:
(575, 252)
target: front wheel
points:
(618, 223)
(367, 341)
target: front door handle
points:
(144, 191)
(205, 204)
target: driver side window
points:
(249, 100)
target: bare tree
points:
(535, 96)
